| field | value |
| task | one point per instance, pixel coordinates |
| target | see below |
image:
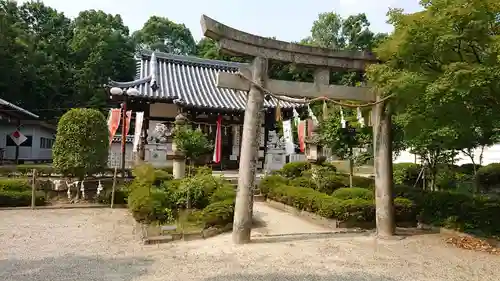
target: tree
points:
(441, 64)
(164, 35)
(193, 143)
(342, 141)
(82, 143)
(102, 49)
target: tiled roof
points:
(19, 109)
(188, 81)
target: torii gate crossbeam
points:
(323, 60)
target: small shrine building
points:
(167, 85)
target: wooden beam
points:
(299, 89)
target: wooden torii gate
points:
(255, 80)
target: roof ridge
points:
(193, 60)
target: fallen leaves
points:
(472, 243)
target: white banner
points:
(139, 118)
(288, 136)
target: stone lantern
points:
(313, 149)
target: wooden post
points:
(382, 141)
(351, 166)
(33, 189)
(249, 150)
(124, 134)
(113, 188)
(18, 125)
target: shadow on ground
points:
(305, 277)
(71, 267)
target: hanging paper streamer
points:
(312, 116)
(99, 188)
(139, 118)
(360, 117)
(296, 117)
(82, 189)
(128, 117)
(288, 136)
(325, 110)
(114, 118)
(342, 120)
(218, 140)
(69, 190)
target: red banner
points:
(218, 141)
(113, 122)
(301, 130)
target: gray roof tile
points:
(188, 81)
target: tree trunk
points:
(242, 223)
(383, 171)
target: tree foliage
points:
(161, 34)
(194, 143)
(442, 65)
(82, 143)
(49, 63)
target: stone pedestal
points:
(275, 154)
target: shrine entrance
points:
(256, 82)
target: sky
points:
(287, 20)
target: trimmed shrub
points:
(13, 198)
(464, 212)
(353, 193)
(307, 182)
(404, 210)
(223, 193)
(161, 176)
(294, 169)
(219, 213)
(267, 183)
(488, 177)
(149, 205)
(368, 183)
(199, 189)
(18, 185)
(82, 143)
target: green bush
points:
(219, 213)
(307, 182)
(199, 188)
(294, 169)
(223, 193)
(82, 143)
(488, 177)
(353, 193)
(368, 183)
(461, 211)
(19, 185)
(149, 205)
(404, 210)
(329, 182)
(268, 182)
(161, 176)
(406, 174)
(15, 198)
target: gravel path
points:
(99, 245)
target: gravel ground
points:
(99, 245)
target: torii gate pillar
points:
(233, 41)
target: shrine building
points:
(167, 85)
